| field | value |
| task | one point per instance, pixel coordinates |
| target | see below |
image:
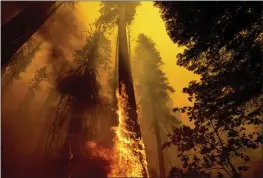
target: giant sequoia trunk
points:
(125, 76)
(18, 30)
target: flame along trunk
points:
(127, 158)
(125, 78)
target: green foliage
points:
(224, 46)
(110, 12)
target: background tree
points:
(40, 76)
(153, 90)
(21, 60)
(79, 89)
(224, 46)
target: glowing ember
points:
(128, 157)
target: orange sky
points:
(149, 22)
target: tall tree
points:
(224, 46)
(80, 94)
(122, 14)
(153, 90)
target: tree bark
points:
(125, 78)
(18, 30)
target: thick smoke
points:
(24, 132)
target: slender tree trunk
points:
(116, 75)
(159, 142)
(160, 151)
(129, 40)
(18, 30)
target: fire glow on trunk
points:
(127, 158)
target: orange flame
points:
(127, 150)
(127, 153)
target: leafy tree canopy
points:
(224, 46)
(224, 42)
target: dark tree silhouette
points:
(19, 29)
(224, 46)
(79, 90)
(153, 89)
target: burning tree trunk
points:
(125, 78)
(125, 75)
